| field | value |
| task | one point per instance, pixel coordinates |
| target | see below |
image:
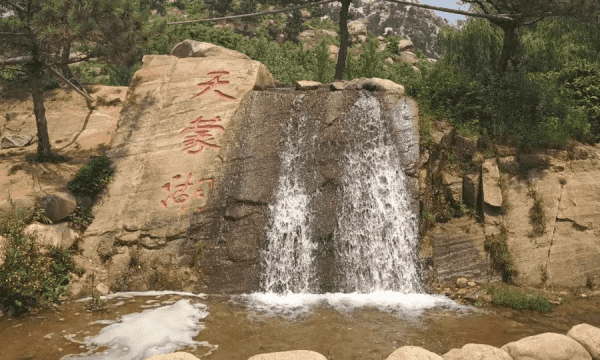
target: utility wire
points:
(255, 14)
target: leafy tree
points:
(38, 35)
(220, 7)
(510, 15)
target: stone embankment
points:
(582, 342)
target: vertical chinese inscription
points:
(199, 135)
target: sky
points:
(447, 4)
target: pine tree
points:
(294, 26)
(38, 35)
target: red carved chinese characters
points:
(179, 194)
(200, 136)
(215, 81)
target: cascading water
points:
(376, 235)
(377, 231)
(288, 258)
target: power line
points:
(255, 14)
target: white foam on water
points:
(130, 294)
(400, 304)
(138, 336)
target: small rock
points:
(307, 85)
(471, 283)
(486, 298)
(404, 45)
(15, 140)
(461, 292)
(462, 282)
(102, 289)
(49, 336)
(338, 85)
(408, 57)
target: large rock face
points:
(167, 155)
(197, 158)
(567, 252)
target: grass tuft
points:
(518, 299)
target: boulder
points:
(307, 85)
(408, 57)
(305, 14)
(328, 32)
(174, 356)
(16, 140)
(290, 355)
(362, 38)
(415, 68)
(102, 289)
(492, 195)
(376, 84)
(389, 60)
(306, 35)
(589, 337)
(57, 206)
(413, 353)
(405, 45)
(58, 235)
(192, 48)
(476, 352)
(333, 51)
(432, 61)
(388, 31)
(547, 346)
(462, 282)
(470, 192)
(358, 27)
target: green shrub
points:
(501, 259)
(518, 299)
(31, 276)
(92, 177)
(580, 82)
(120, 75)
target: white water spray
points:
(288, 258)
(377, 231)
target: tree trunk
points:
(341, 61)
(64, 67)
(508, 47)
(37, 93)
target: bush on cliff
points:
(92, 177)
(31, 275)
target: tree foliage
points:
(41, 34)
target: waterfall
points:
(377, 231)
(288, 257)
